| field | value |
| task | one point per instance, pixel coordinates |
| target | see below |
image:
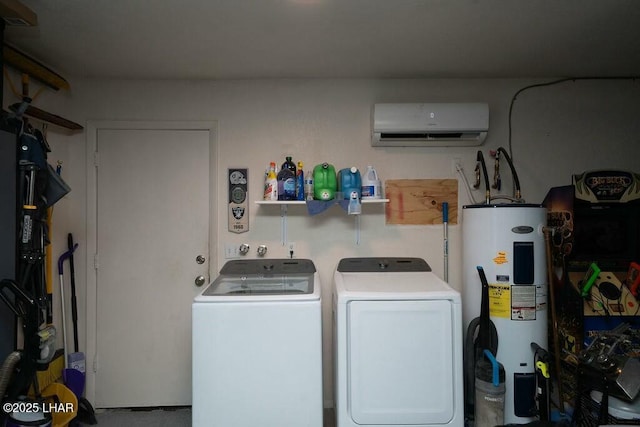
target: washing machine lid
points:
(382, 265)
(277, 266)
(259, 285)
(390, 278)
(264, 280)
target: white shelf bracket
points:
(283, 224)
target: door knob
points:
(200, 280)
(200, 259)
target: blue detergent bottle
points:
(350, 182)
(300, 182)
(287, 180)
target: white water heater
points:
(507, 241)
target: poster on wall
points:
(238, 212)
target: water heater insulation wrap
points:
(508, 242)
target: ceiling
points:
(241, 39)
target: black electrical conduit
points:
(555, 82)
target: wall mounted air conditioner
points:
(430, 125)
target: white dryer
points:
(398, 345)
(257, 346)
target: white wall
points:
(557, 131)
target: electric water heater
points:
(507, 241)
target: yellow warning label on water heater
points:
(501, 258)
(500, 300)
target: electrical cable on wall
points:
(551, 83)
(466, 185)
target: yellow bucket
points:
(61, 402)
(50, 375)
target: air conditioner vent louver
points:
(449, 124)
(430, 135)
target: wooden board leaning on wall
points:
(419, 201)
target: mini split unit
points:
(429, 125)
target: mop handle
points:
(63, 257)
(445, 223)
(61, 260)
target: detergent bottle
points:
(350, 183)
(371, 186)
(271, 183)
(288, 164)
(300, 182)
(324, 182)
(287, 180)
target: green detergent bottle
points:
(324, 182)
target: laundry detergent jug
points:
(349, 182)
(371, 184)
(287, 180)
(324, 182)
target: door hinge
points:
(95, 363)
(96, 261)
(96, 159)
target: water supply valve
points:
(244, 249)
(262, 250)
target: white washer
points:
(398, 345)
(257, 346)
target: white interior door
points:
(152, 223)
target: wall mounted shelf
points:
(302, 202)
(318, 206)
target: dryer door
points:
(400, 362)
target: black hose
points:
(480, 159)
(484, 333)
(516, 181)
(7, 369)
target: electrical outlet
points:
(291, 249)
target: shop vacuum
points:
(486, 376)
(504, 269)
